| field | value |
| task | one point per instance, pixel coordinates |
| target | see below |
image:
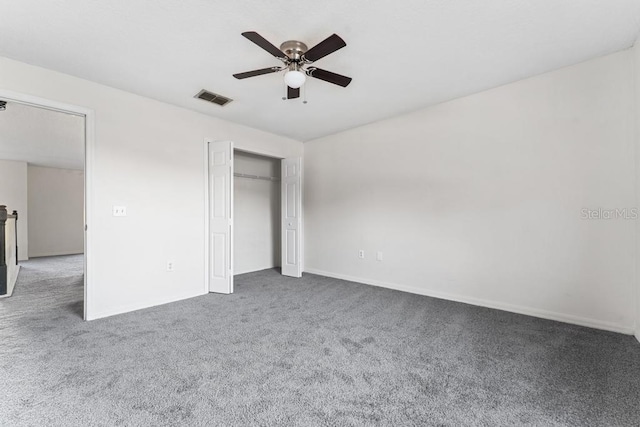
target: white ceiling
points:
(41, 137)
(402, 55)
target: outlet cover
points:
(119, 211)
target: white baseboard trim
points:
(41, 255)
(528, 311)
(141, 306)
(253, 270)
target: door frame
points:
(259, 152)
(89, 147)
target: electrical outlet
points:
(361, 254)
(170, 265)
(379, 256)
(119, 211)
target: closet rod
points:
(264, 178)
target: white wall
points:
(10, 247)
(56, 211)
(149, 156)
(480, 199)
(13, 194)
(256, 214)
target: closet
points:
(256, 212)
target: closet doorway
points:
(254, 219)
(256, 209)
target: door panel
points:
(220, 217)
(291, 217)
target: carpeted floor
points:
(311, 351)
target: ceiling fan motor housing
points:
(294, 49)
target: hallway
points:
(48, 284)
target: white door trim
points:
(206, 202)
(89, 145)
(206, 214)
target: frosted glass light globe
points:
(294, 79)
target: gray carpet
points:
(311, 351)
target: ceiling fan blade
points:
(264, 43)
(256, 72)
(293, 93)
(324, 48)
(328, 76)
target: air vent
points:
(205, 95)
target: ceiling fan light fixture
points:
(294, 78)
(295, 58)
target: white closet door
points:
(220, 217)
(291, 217)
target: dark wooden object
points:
(15, 215)
(3, 251)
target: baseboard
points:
(42, 255)
(528, 311)
(237, 273)
(141, 306)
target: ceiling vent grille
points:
(214, 98)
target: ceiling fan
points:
(296, 59)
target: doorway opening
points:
(44, 177)
(256, 209)
(260, 230)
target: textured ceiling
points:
(402, 55)
(41, 137)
